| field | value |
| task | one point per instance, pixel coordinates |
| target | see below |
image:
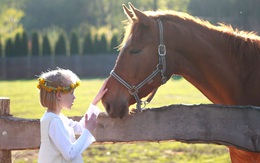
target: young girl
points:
(58, 142)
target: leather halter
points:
(160, 68)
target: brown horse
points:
(224, 64)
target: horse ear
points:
(128, 13)
(135, 14)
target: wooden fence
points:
(227, 125)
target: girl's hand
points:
(91, 124)
(100, 94)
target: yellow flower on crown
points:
(59, 88)
(42, 84)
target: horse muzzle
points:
(116, 110)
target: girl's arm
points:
(60, 137)
(79, 127)
(93, 109)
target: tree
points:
(9, 48)
(96, 44)
(24, 44)
(114, 43)
(17, 45)
(103, 44)
(206, 8)
(10, 23)
(35, 44)
(60, 13)
(88, 47)
(74, 44)
(1, 49)
(46, 47)
(60, 47)
(96, 13)
(239, 13)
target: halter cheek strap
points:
(160, 68)
(162, 52)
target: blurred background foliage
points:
(101, 19)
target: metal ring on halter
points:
(143, 104)
(159, 66)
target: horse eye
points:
(134, 51)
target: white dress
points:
(58, 142)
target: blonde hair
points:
(53, 81)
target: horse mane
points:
(242, 43)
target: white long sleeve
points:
(64, 139)
(62, 132)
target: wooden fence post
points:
(5, 155)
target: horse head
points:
(220, 62)
(139, 69)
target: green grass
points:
(25, 103)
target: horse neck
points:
(202, 58)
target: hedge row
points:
(23, 46)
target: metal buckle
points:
(162, 50)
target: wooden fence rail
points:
(227, 125)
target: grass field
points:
(25, 103)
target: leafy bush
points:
(46, 47)
(24, 44)
(88, 47)
(9, 47)
(53, 34)
(114, 43)
(103, 44)
(17, 45)
(96, 44)
(10, 20)
(35, 44)
(1, 49)
(74, 44)
(60, 47)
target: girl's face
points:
(67, 99)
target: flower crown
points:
(43, 85)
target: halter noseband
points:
(160, 68)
